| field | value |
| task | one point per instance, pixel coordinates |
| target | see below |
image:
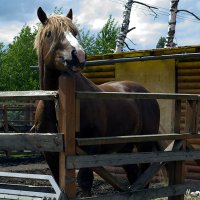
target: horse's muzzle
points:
(77, 62)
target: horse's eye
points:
(48, 34)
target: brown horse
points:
(59, 51)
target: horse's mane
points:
(57, 25)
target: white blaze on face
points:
(74, 43)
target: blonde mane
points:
(57, 25)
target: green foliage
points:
(106, 38)
(88, 42)
(1, 51)
(58, 11)
(16, 61)
(102, 43)
(161, 42)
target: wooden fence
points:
(72, 157)
(16, 117)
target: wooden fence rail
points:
(28, 95)
(51, 142)
(133, 95)
(134, 138)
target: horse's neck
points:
(84, 84)
(50, 79)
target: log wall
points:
(188, 81)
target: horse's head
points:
(57, 44)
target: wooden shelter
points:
(170, 70)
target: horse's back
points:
(148, 109)
(122, 86)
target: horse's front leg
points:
(85, 176)
(85, 179)
(45, 122)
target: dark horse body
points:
(97, 117)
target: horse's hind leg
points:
(131, 172)
(85, 179)
(145, 147)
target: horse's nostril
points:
(74, 53)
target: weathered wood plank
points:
(190, 147)
(176, 174)
(150, 193)
(134, 138)
(28, 95)
(192, 116)
(52, 142)
(67, 120)
(129, 158)
(177, 116)
(110, 95)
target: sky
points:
(93, 14)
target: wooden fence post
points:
(177, 169)
(192, 112)
(67, 125)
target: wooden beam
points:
(192, 116)
(153, 193)
(134, 138)
(176, 170)
(190, 147)
(176, 174)
(67, 120)
(28, 95)
(129, 158)
(177, 116)
(52, 142)
(110, 95)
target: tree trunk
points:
(172, 23)
(125, 26)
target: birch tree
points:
(125, 24)
(172, 23)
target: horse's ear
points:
(42, 15)
(70, 14)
